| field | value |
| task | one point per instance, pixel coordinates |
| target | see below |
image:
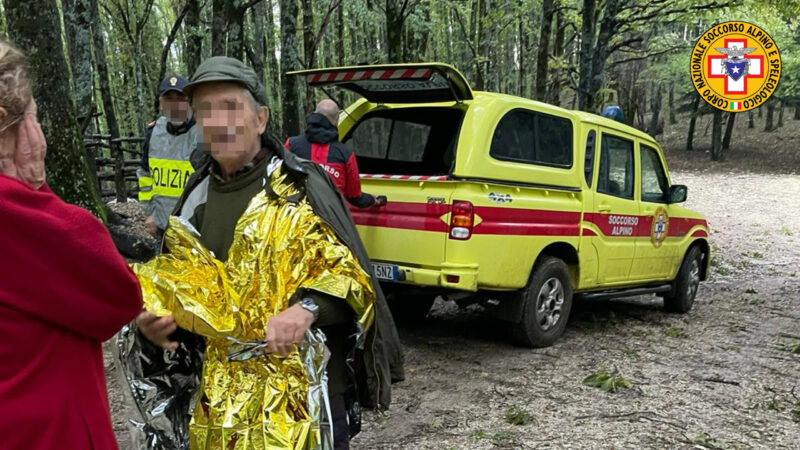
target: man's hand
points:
(157, 329)
(151, 227)
(27, 162)
(286, 329)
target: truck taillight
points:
(462, 216)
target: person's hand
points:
(151, 227)
(157, 329)
(380, 200)
(285, 330)
(27, 162)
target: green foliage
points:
(791, 347)
(607, 382)
(498, 438)
(517, 415)
(674, 332)
(709, 442)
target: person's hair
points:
(253, 102)
(15, 86)
(328, 109)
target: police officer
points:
(168, 146)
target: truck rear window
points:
(406, 141)
(533, 138)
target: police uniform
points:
(165, 165)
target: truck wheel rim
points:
(694, 279)
(549, 303)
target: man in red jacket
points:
(320, 144)
(64, 290)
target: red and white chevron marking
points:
(405, 177)
(359, 75)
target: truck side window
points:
(616, 175)
(533, 138)
(654, 180)
(588, 161)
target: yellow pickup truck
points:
(513, 203)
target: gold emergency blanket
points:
(279, 246)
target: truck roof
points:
(578, 115)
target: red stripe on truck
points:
(518, 222)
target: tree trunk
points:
(558, 51)
(340, 36)
(104, 84)
(726, 140)
(259, 43)
(219, 23)
(67, 171)
(235, 17)
(394, 30)
(542, 52)
(780, 114)
(716, 136)
(586, 53)
(692, 123)
(672, 119)
(274, 69)
(750, 122)
(309, 56)
(162, 66)
(193, 31)
(77, 24)
(524, 89)
(655, 107)
(770, 114)
(797, 112)
(289, 62)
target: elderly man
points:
(320, 144)
(169, 142)
(273, 231)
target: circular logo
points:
(658, 232)
(735, 66)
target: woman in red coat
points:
(64, 290)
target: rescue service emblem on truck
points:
(735, 66)
(658, 232)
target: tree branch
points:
(641, 57)
(322, 26)
(125, 23)
(630, 41)
(170, 39)
(249, 4)
(663, 14)
(143, 20)
(411, 7)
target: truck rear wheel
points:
(547, 301)
(684, 288)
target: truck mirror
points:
(677, 193)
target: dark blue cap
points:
(172, 83)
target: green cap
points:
(223, 68)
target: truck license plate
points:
(385, 272)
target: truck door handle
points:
(604, 208)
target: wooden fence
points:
(113, 164)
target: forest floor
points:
(724, 376)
